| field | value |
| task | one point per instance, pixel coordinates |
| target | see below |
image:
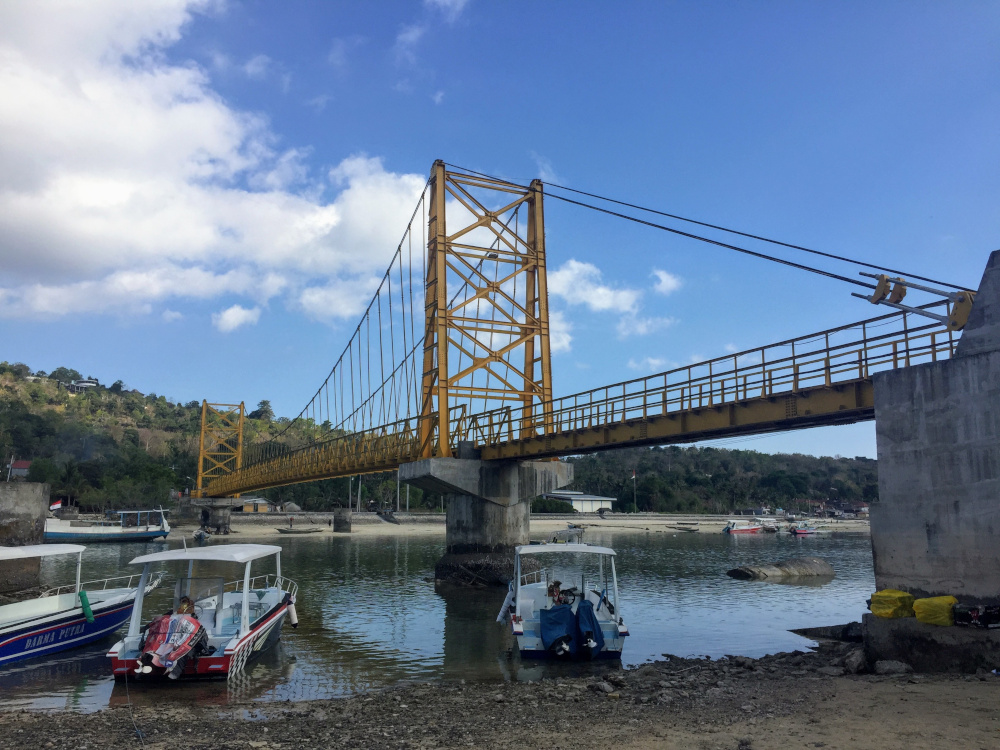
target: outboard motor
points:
(170, 641)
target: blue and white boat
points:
(64, 617)
(128, 526)
(578, 617)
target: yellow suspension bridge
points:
(453, 349)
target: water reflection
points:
(370, 616)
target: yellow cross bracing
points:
(489, 343)
(473, 256)
(221, 444)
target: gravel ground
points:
(782, 701)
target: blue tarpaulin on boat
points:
(558, 622)
(586, 621)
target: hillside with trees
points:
(716, 480)
(114, 447)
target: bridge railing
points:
(833, 358)
(830, 358)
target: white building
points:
(582, 502)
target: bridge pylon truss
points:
(220, 449)
(486, 316)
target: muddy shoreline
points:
(781, 701)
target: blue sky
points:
(176, 177)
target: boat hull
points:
(549, 656)
(744, 531)
(265, 633)
(61, 633)
(107, 536)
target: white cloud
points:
(257, 67)
(560, 338)
(666, 282)
(580, 284)
(340, 50)
(633, 325)
(169, 316)
(125, 180)
(546, 172)
(438, 97)
(319, 102)
(338, 299)
(233, 317)
(649, 364)
(451, 9)
(406, 43)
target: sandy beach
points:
(366, 524)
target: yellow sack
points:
(890, 603)
(936, 610)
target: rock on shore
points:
(793, 568)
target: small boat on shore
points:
(742, 527)
(298, 531)
(214, 627)
(550, 620)
(129, 526)
(67, 616)
(802, 528)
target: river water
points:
(370, 616)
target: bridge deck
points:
(820, 379)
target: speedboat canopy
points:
(234, 553)
(537, 549)
(40, 550)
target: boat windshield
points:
(130, 518)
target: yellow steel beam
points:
(840, 404)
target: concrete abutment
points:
(935, 526)
(23, 506)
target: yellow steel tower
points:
(220, 450)
(486, 335)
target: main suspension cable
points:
(737, 248)
(750, 236)
(722, 229)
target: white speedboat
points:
(119, 526)
(743, 527)
(579, 618)
(214, 627)
(67, 616)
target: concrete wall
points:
(935, 527)
(23, 506)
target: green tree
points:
(263, 411)
(64, 374)
(44, 470)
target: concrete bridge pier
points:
(488, 510)
(935, 526)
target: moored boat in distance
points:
(802, 528)
(129, 526)
(214, 627)
(550, 620)
(742, 527)
(67, 616)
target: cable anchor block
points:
(890, 291)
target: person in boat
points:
(555, 593)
